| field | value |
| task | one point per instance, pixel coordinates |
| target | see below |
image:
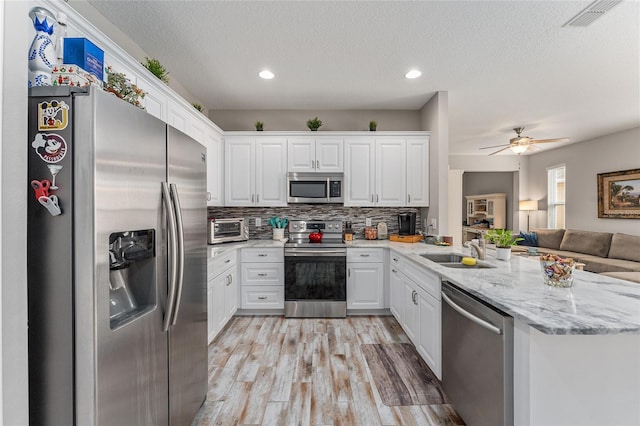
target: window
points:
(556, 197)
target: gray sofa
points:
(601, 252)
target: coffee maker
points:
(407, 223)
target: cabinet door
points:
(396, 294)
(429, 341)
(178, 117)
(239, 172)
(360, 172)
(329, 153)
(391, 179)
(418, 173)
(154, 102)
(216, 312)
(365, 286)
(211, 331)
(411, 313)
(271, 172)
(215, 168)
(231, 294)
(489, 207)
(301, 155)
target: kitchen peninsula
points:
(576, 350)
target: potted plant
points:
(314, 124)
(504, 240)
(259, 126)
(121, 86)
(197, 106)
(156, 68)
(373, 125)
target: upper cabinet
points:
(320, 154)
(255, 171)
(390, 171)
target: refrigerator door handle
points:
(180, 233)
(172, 255)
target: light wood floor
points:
(284, 371)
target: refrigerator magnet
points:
(41, 188)
(51, 204)
(53, 115)
(50, 147)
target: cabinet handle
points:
(230, 279)
(208, 196)
(313, 164)
(413, 297)
(372, 198)
(262, 255)
(408, 198)
(253, 198)
(395, 259)
(394, 271)
(364, 255)
(317, 164)
(227, 261)
(262, 297)
(262, 274)
(349, 272)
(257, 198)
(377, 199)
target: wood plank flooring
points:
(287, 371)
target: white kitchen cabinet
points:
(416, 305)
(391, 177)
(177, 116)
(215, 167)
(222, 292)
(262, 278)
(418, 172)
(154, 101)
(386, 171)
(255, 171)
(365, 278)
(322, 155)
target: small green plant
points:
(502, 238)
(197, 106)
(121, 86)
(155, 67)
(314, 124)
(373, 125)
(259, 126)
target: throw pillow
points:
(529, 239)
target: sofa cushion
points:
(549, 238)
(595, 243)
(604, 264)
(625, 246)
(629, 276)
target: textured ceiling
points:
(504, 63)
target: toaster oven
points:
(225, 230)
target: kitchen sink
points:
(453, 260)
(461, 266)
(443, 257)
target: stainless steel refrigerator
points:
(116, 264)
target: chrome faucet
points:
(480, 248)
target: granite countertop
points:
(596, 304)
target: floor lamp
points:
(528, 206)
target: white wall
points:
(584, 160)
(17, 35)
(434, 116)
(231, 120)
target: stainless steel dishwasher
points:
(477, 358)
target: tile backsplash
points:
(357, 215)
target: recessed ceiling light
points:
(413, 74)
(266, 74)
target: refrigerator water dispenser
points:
(131, 275)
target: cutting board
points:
(405, 238)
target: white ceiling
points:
(504, 63)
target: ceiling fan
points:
(520, 144)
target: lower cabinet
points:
(365, 278)
(222, 293)
(415, 303)
(262, 278)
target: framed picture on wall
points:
(619, 194)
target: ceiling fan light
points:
(519, 149)
(266, 74)
(411, 74)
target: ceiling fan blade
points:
(550, 140)
(494, 146)
(500, 150)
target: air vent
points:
(595, 10)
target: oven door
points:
(315, 284)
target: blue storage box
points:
(86, 55)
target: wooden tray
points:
(406, 238)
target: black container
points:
(407, 223)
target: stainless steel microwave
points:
(225, 230)
(315, 188)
